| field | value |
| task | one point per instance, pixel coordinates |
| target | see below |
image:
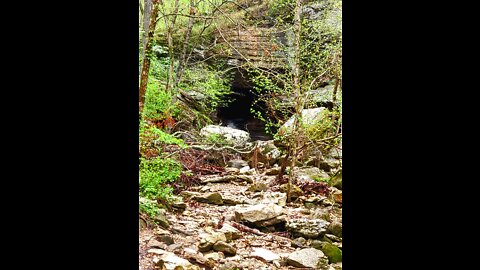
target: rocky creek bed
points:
(240, 220)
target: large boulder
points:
(308, 258)
(308, 228)
(309, 117)
(259, 212)
(321, 97)
(231, 136)
(267, 153)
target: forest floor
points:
(209, 218)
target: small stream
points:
(255, 127)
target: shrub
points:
(155, 176)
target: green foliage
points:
(282, 10)
(156, 174)
(158, 102)
(149, 208)
(212, 83)
(155, 134)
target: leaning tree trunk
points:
(146, 59)
(294, 136)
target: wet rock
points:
(232, 136)
(230, 232)
(237, 163)
(170, 261)
(308, 257)
(208, 240)
(335, 228)
(225, 248)
(264, 254)
(257, 187)
(307, 228)
(258, 213)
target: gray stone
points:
(295, 191)
(224, 247)
(155, 243)
(257, 187)
(215, 256)
(167, 239)
(299, 242)
(307, 228)
(309, 117)
(311, 174)
(170, 261)
(308, 257)
(237, 163)
(279, 198)
(335, 228)
(270, 222)
(212, 198)
(267, 153)
(258, 212)
(333, 238)
(317, 244)
(265, 254)
(246, 170)
(161, 219)
(231, 136)
(208, 240)
(230, 232)
(273, 171)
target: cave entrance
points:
(237, 114)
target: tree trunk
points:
(183, 56)
(146, 58)
(170, 47)
(146, 23)
(294, 136)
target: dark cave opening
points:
(237, 113)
